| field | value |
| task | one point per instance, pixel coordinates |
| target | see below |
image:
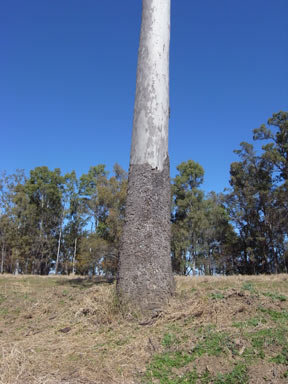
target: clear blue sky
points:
(68, 71)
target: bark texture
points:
(151, 109)
(145, 273)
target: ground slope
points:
(220, 330)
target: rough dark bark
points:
(145, 273)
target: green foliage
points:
(200, 225)
(92, 251)
(62, 223)
(277, 150)
(104, 205)
(257, 202)
(44, 221)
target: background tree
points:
(9, 222)
(187, 216)
(276, 153)
(64, 224)
(103, 201)
(38, 209)
(201, 230)
(75, 223)
(254, 207)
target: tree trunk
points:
(74, 257)
(58, 251)
(145, 273)
(17, 267)
(2, 258)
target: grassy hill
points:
(220, 330)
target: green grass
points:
(164, 365)
(275, 315)
(4, 311)
(169, 340)
(275, 296)
(213, 344)
(282, 357)
(263, 340)
(252, 322)
(179, 366)
(239, 375)
(217, 296)
(248, 286)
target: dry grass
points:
(70, 330)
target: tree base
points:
(145, 276)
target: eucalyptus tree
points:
(9, 221)
(38, 203)
(276, 153)
(253, 208)
(74, 222)
(145, 273)
(187, 217)
(6, 224)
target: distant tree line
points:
(51, 222)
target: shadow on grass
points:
(86, 282)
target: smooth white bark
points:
(151, 111)
(17, 267)
(2, 258)
(74, 257)
(58, 251)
